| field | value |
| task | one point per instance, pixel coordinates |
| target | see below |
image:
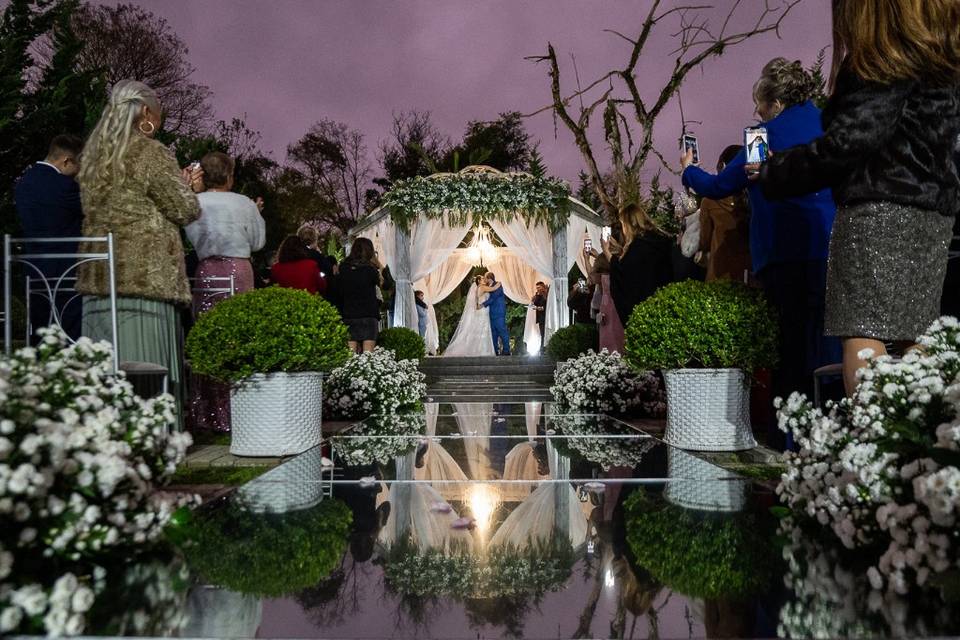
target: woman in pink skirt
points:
(608, 322)
(230, 228)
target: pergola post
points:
(404, 310)
(560, 272)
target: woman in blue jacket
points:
(788, 238)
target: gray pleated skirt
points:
(885, 272)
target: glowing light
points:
(481, 251)
(608, 579)
(533, 347)
(483, 500)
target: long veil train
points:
(473, 336)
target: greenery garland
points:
(270, 554)
(457, 196)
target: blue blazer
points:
(48, 204)
(794, 229)
(497, 302)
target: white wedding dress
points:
(473, 336)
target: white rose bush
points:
(603, 383)
(373, 383)
(880, 472)
(81, 458)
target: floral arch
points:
(422, 222)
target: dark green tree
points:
(503, 144)
(535, 165)
(414, 149)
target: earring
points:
(152, 127)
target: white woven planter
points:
(708, 410)
(697, 484)
(276, 414)
(293, 486)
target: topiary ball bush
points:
(406, 344)
(265, 331)
(573, 341)
(701, 554)
(691, 324)
(270, 554)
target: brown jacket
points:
(145, 214)
(725, 234)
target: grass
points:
(229, 476)
(758, 471)
(204, 437)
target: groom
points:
(497, 303)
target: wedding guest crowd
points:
(295, 269)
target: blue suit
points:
(48, 206)
(497, 303)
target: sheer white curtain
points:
(383, 237)
(437, 285)
(578, 230)
(518, 280)
(431, 243)
(533, 245)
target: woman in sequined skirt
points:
(887, 151)
(230, 228)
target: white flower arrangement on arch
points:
(81, 459)
(373, 383)
(882, 470)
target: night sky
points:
(287, 63)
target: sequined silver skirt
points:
(885, 272)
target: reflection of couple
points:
(483, 325)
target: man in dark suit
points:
(539, 303)
(48, 205)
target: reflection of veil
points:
(474, 423)
(550, 512)
(521, 462)
(473, 336)
(438, 464)
(412, 517)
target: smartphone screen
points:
(690, 144)
(757, 144)
(587, 244)
(605, 233)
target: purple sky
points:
(287, 64)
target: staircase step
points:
(486, 360)
(488, 371)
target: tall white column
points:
(404, 309)
(560, 271)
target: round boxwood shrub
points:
(270, 554)
(406, 344)
(267, 330)
(701, 554)
(573, 341)
(694, 324)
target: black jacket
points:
(636, 275)
(881, 142)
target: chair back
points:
(34, 257)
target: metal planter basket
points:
(708, 410)
(293, 486)
(276, 414)
(697, 484)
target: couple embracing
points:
(483, 325)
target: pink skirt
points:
(209, 399)
(611, 329)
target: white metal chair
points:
(221, 286)
(17, 251)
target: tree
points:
(298, 202)
(414, 149)
(503, 144)
(630, 114)
(536, 166)
(334, 158)
(127, 41)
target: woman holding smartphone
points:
(360, 275)
(887, 152)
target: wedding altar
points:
(422, 222)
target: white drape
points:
(578, 230)
(436, 286)
(383, 237)
(519, 279)
(535, 244)
(431, 243)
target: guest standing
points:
(788, 238)
(360, 276)
(887, 152)
(725, 230)
(641, 265)
(295, 269)
(130, 185)
(422, 313)
(230, 228)
(311, 239)
(539, 303)
(579, 301)
(47, 198)
(608, 320)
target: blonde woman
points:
(130, 186)
(639, 263)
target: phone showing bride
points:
(473, 336)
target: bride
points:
(473, 336)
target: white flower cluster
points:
(373, 383)
(80, 458)
(603, 383)
(601, 442)
(882, 467)
(380, 439)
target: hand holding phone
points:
(757, 146)
(691, 149)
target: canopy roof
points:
(483, 192)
